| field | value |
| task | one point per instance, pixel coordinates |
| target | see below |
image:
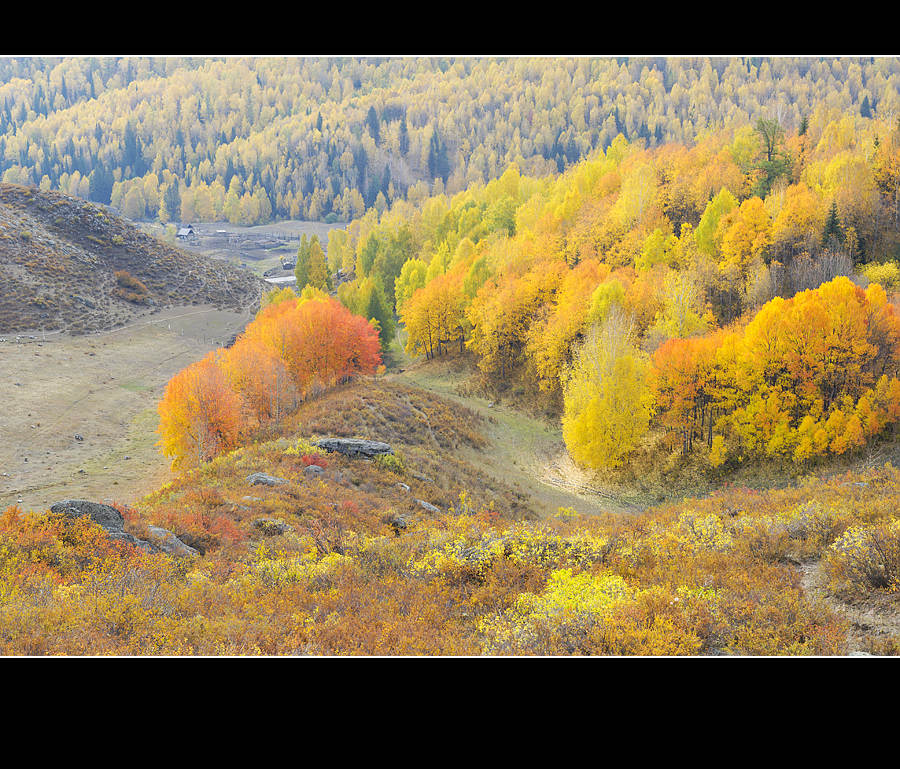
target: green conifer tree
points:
(832, 234)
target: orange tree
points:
(292, 349)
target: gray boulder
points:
(124, 536)
(398, 523)
(355, 447)
(313, 471)
(113, 523)
(165, 540)
(261, 479)
(105, 515)
(427, 506)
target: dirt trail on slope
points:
(525, 452)
(103, 387)
(869, 621)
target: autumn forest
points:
(598, 357)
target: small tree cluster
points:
(293, 349)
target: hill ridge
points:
(74, 266)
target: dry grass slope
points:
(72, 266)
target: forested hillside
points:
(728, 299)
(249, 140)
(606, 360)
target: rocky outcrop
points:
(261, 479)
(104, 515)
(355, 447)
(113, 523)
(165, 540)
(397, 522)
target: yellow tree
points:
(720, 205)
(411, 278)
(746, 236)
(798, 224)
(550, 339)
(504, 309)
(434, 316)
(607, 399)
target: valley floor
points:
(104, 388)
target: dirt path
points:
(524, 451)
(875, 619)
(104, 388)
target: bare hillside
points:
(72, 266)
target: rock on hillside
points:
(355, 447)
(113, 523)
(70, 265)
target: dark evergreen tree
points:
(832, 235)
(229, 173)
(100, 184)
(172, 202)
(373, 305)
(404, 137)
(361, 160)
(131, 151)
(373, 125)
(865, 109)
(438, 161)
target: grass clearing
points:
(104, 388)
(525, 452)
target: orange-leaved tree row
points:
(293, 349)
(320, 342)
(261, 379)
(687, 385)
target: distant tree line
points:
(251, 140)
